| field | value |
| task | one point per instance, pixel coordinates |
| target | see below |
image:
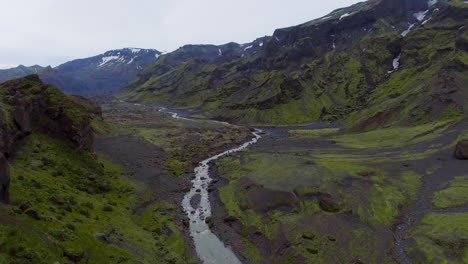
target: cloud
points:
(54, 31)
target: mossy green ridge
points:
(26, 103)
(455, 195)
(441, 238)
(67, 204)
(83, 211)
(335, 68)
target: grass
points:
(393, 137)
(312, 133)
(78, 197)
(441, 238)
(455, 195)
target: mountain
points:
(372, 64)
(17, 72)
(101, 74)
(105, 73)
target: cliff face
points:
(391, 56)
(26, 105)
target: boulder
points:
(33, 213)
(461, 150)
(328, 203)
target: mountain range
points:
(369, 64)
(101, 74)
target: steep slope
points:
(64, 203)
(18, 72)
(105, 73)
(388, 56)
(27, 104)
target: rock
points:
(102, 237)
(57, 200)
(367, 174)
(209, 221)
(461, 150)
(328, 204)
(33, 213)
(36, 164)
(230, 219)
(308, 236)
(75, 255)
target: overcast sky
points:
(50, 32)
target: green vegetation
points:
(361, 189)
(441, 238)
(312, 133)
(393, 137)
(304, 81)
(455, 195)
(68, 206)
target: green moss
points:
(455, 195)
(393, 137)
(441, 238)
(72, 192)
(313, 133)
(176, 167)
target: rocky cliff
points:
(27, 105)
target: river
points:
(210, 249)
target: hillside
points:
(61, 202)
(368, 65)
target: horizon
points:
(111, 25)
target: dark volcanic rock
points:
(33, 213)
(328, 203)
(461, 150)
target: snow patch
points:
(425, 21)
(261, 44)
(249, 47)
(327, 17)
(134, 50)
(345, 15)
(396, 63)
(420, 15)
(432, 2)
(277, 39)
(220, 52)
(108, 59)
(404, 33)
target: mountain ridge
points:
(323, 69)
(103, 73)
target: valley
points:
(343, 139)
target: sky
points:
(51, 32)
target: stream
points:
(210, 249)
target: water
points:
(209, 247)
